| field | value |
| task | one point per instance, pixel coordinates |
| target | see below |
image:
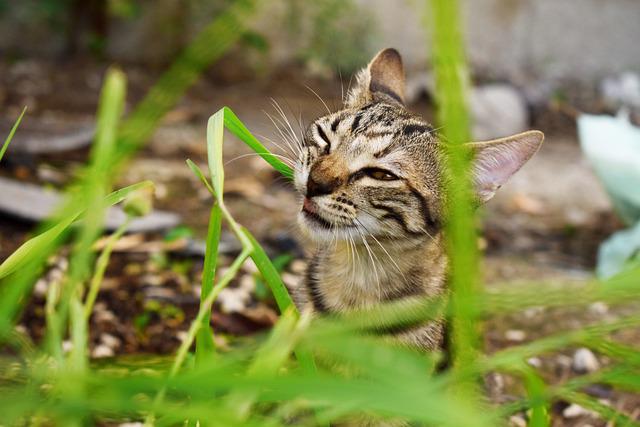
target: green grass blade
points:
(100, 268)
(451, 78)
(205, 346)
(215, 141)
(198, 172)
(11, 134)
(270, 274)
(270, 357)
(235, 126)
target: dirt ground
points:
(545, 224)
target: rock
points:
(575, 411)
(233, 300)
(417, 85)
(110, 341)
(497, 110)
(247, 282)
(515, 335)
(33, 203)
(528, 205)
(535, 362)
(48, 136)
(599, 308)
(622, 90)
(584, 361)
(228, 244)
(102, 350)
(517, 421)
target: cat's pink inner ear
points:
(495, 161)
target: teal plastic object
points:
(612, 146)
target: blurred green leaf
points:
(11, 134)
(32, 247)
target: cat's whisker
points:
(319, 97)
(286, 121)
(383, 248)
(286, 160)
(373, 262)
(283, 127)
(289, 151)
(291, 143)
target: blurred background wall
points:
(518, 40)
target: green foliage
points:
(339, 33)
(341, 369)
(7, 141)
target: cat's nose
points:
(319, 188)
(326, 176)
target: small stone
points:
(575, 411)
(249, 266)
(101, 351)
(584, 361)
(67, 346)
(564, 361)
(515, 335)
(599, 308)
(131, 425)
(247, 282)
(40, 288)
(535, 362)
(231, 301)
(528, 204)
(517, 421)
(104, 315)
(110, 341)
(182, 335)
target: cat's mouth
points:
(310, 212)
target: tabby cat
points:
(371, 177)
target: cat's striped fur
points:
(371, 177)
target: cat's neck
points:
(355, 275)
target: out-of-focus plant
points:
(331, 34)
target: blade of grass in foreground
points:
(215, 141)
(95, 186)
(233, 124)
(205, 345)
(11, 134)
(28, 256)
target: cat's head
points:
(374, 168)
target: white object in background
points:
(612, 145)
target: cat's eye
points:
(380, 174)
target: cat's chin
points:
(320, 230)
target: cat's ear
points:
(495, 161)
(382, 80)
(387, 75)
